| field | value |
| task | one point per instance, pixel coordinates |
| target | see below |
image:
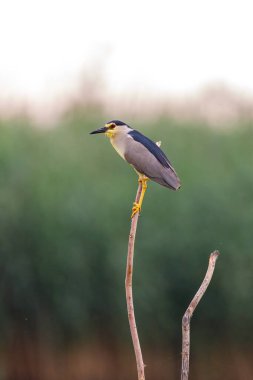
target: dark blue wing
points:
(152, 147)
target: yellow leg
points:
(137, 206)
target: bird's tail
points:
(171, 179)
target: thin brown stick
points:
(189, 312)
(129, 292)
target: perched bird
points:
(146, 157)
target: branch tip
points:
(215, 254)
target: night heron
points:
(148, 160)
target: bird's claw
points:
(136, 208)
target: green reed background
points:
(65, 201)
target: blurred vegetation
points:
(65, 200)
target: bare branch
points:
(189, 312)
(129, 292)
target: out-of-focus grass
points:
(65, 200)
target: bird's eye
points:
(111, 126)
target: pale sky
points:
(163, 47)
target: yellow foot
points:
(136, 208)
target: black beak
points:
(100, 130)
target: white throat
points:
(120, 139)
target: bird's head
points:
(112, 128)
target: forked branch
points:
(189, 312)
